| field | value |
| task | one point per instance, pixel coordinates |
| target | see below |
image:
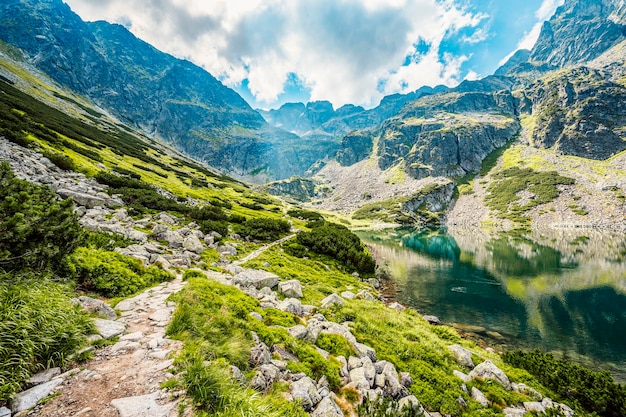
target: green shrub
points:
(113, 274)
(36, 229)
(63, 162)
(39, 327)
(106, 240)
(305, 214)
(340, 243)
(596, 392)
(208, 226)
(263, 229)
(190, 273)
(336, 345)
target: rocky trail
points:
(124, 379)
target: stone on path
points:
(5, 412)
(44, 376)
(28, 399)
(109, 328)
(142, 406)
(99, 307)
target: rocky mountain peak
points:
(580, 31)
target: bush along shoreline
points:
(292, 329)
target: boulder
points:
(142, 406)
(5, 412)
(332, 300)
(434, 320)
(364, 350)
(369, 370)
(227, 250)
(260, 355)
(256, 278)
(514, 412)
(348, 295)
(487, 370)
(44, 376)
(298, 331)
(462, 356)
(291, 288)
(365, 295)
(463, 377)
(409, 402)
(109, 328)
(406, 379)
(327, 408)
(392, 388)
(82, 199)
(291, 305)
(26, 400)
(525, 389)
(305, 391)
(397, 306)
(99, 307)
(535, 406)
(236, 375)
(174, 239)
(265, 376)
(480, 397)
(193, 244)
(354, 363)
(358, 381)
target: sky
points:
(344, 51)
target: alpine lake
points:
(560, 290)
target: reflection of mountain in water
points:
(564, 291)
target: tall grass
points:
(39, 327)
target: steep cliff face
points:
(579, 112)
(580, 31)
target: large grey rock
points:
(434, 320)
(327, 408)
(514, 412)
(291, 288)
(525, 389)
(298, 331)
(487, 370)
(174, 239)
(365, 295)
(393, 387)
(332, 300)
(405, 379)
(369, 370)
(535, 406)
(363, 350)
(305, 391)
(142, 406)
(26, 400)
(227, 250)
(256, 278)
(260, 355)
(480, 397)
(193, 244)
(291, 305)
(99, 307)
(359, 381)
(409, 402)
(5, 412)
(462, 356)
(265, 376)
(109, 328)
(82, 199)
(44, 376)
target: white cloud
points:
(342, 50)
(545, 11)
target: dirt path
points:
(124, 379)
(262, 249)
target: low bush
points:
(113, 274)
(305, 214)
(596, 392)
(263, 229)
(36, 229)
(40, 328)
(338, 242)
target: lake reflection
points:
(561, 290)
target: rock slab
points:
(141, 406)
(28, 399)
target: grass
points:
(503, 191)
(40, 328)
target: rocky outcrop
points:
(579, 112)
(355, 147)
(300, 189)
(580, 31)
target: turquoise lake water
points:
(563, 291)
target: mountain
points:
(168, 98)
